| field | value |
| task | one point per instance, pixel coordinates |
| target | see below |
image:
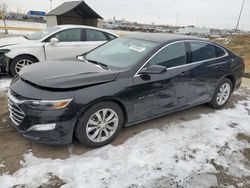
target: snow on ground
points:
(179, 154)
(4, 83)
(36, 25)
(15, 23)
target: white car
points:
(58, 42)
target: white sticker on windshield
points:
(137, 48)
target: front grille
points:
(16, 113)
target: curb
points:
(247, 74)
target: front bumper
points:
(24, 118)
(4, 63)
(61, 135)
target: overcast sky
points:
(208, 13)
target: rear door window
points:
(69, 35)
(93, 35)
(202, 51)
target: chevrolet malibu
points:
(126, 81)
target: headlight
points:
(4, 51)
(48, 104)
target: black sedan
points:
(126, 81)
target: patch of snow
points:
(203, 180)
(4, 83)
(179, 154)
(2, 165)
(240, 184)
(15, 23)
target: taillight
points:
(240, 60)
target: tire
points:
(90, 121)
(16, 63)
(216, 103)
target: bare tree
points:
(3, 11)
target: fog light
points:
(43, 127)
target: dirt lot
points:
(13, 145)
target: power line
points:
(50, 4)
(238, 22)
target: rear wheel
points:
(222, 93)
(19, 62)
(100, 124)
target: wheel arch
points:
(103, 99)
(26, 54)
(231, 78)
(107, 99)
(11, 60)
(212, 103)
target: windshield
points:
(41, 34)
(121, 52)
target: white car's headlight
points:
(4, 51)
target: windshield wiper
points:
(98, 63)
(25, 37)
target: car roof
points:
(84, 27)
(160, 37)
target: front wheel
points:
(100, 124)
(222, 93)
(19, 62)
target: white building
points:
(190, 30)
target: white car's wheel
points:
(19, 62)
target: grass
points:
(239, 44)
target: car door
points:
(70, 44)
(94, 38)
(156, 94)
(207, 62)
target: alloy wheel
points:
(102, 125)
(20, 64)
(223, 94)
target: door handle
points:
(184, 73)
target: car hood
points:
(66, 74)
(12, 41)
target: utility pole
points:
(50, 4)
(237, 25)
(177, 19)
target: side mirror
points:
(153, 69)
(54, 41)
